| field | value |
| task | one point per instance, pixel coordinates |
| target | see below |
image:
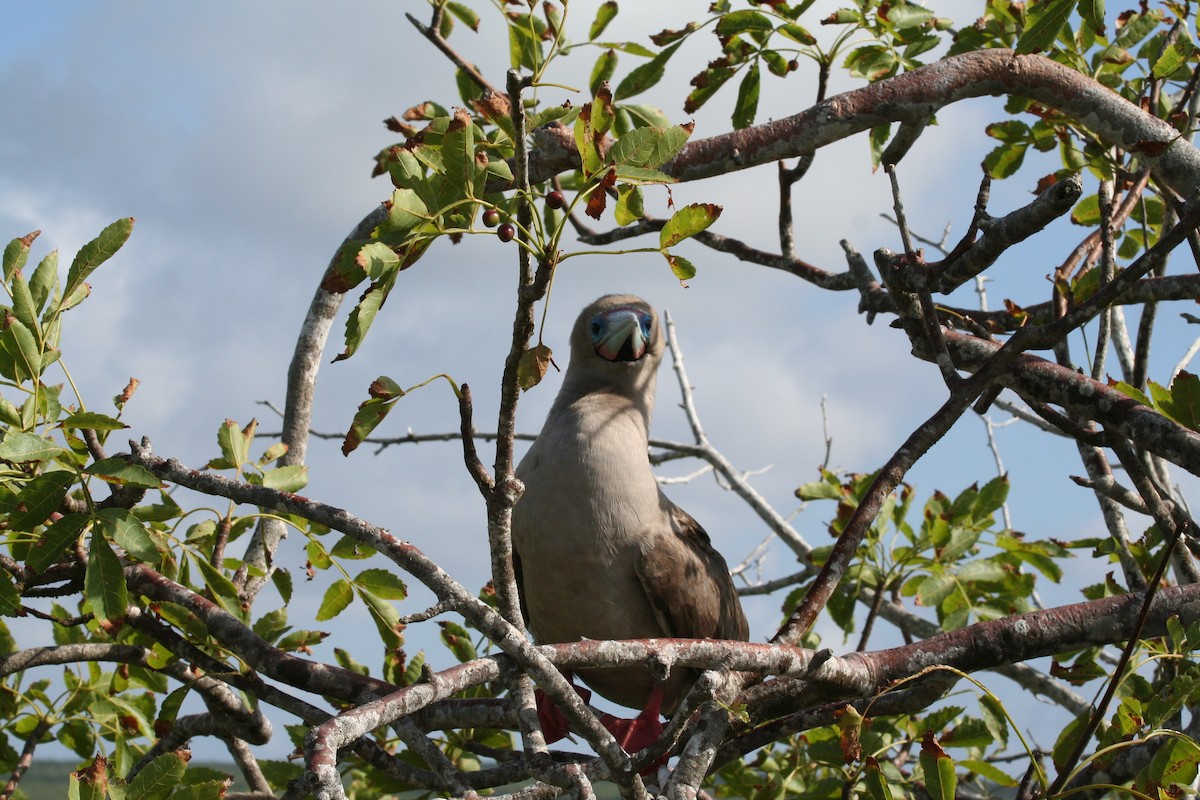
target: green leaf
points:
(223, 590)
(1174, 58)
(1182, 404)
(1048, 18)
(20, 345)
(745, 21)
(877, 785)
(234, 445)
(1092, 13)
(10, 599)
(688, 221)
(157, 779)
(20, 447)
(90, 420)
(23, 305)
(455, 637)
(908, 16)
(991, 497)
(604, 15)
(646, 75)
(648, 146)
(292, 478)
(382, 583)
(40, 497)
(44, 280)
(464, 13)
(131, 535)
(376, 258)
(1004, 160)
(272, 625)
(55, 540)
(797, 33)
(96, 252)
(360, 319)
(1087, 211)
(630, 205)
(747, 99)
(337, 597)
(1133, 392)
(104, 581)
(118, 470)
(989, 772)
(682, 269)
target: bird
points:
(599, 551)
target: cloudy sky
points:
(241, 139)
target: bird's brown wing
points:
(688, 584)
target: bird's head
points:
(620, 329)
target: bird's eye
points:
(596, 329)
(646, 323)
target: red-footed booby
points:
(599, 550)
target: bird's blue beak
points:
(621, 334)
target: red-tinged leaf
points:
(91, 782)
(850, 724)
(877, 785)
(384, 388)
(604, 15)
(940, 780)
(1150, 148)
(598, 199)
(17, 252)
(688, 221)
(368, 416)
(667, 36)
(603, 70)
(533, 366)
(466, 14)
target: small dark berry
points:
(555, 200)
(506, 232)
(793, 65)
(491, 217)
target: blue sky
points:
(241, 139)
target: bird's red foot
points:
(641, 731)
(554, 724)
